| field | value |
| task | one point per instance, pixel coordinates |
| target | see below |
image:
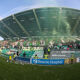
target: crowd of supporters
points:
(19, 44)
(45, 45)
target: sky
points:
(8, 7)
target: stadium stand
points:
(52, 31)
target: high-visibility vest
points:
(48, 50)
(14, 56)
(36, 57)
(46, 56)
(72, 56)
(0, 50)
(10, 58)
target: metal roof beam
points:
(4, 33)
(2, 36)
(20, 25)
(37, 21)
(9, 29)
(59, 19)
(75, 26)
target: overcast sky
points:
(8, 7)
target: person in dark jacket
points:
(45, 50)
(17, 53)
(24, 54)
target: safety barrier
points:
(41, 61)
(21, 59)
(78, 60)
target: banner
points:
(48, 61)
(78, 59)
(22, 59)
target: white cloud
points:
(21, 8)
(0, 18)
(1, 38)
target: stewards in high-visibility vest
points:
(0, 51)
(14, 56)
(49, 51)
(46, 56)
(10, 58)
(36, 57)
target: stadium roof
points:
(47, 21)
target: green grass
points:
(10, 71)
